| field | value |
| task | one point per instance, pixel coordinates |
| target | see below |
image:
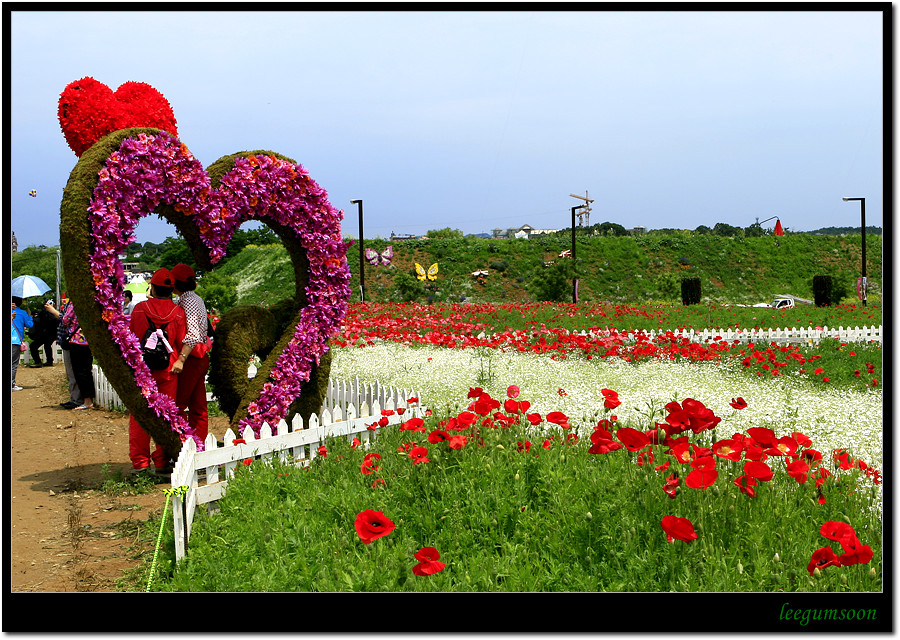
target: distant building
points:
(403, 236)
(15, 243)
(525, 231)
(637, 231)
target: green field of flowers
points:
(554, 464)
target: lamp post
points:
(862, 213)
(574, 273)
(362, 259)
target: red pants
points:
(191, 394)
(139, 440)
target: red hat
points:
(182, 272)
(162, 278)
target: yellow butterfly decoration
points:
(431, 274)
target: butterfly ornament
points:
(383, 258)
(431, 274)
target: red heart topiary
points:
(89, 110)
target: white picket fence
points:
(206, 473)
(802, 335)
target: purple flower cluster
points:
(158, 169)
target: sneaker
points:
(83, 407)
(16, 387)
(136, 471)
(164, 471)
(69, 404)
(35, 365)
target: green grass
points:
(554, 519)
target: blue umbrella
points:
(28, 287)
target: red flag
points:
(778, 230)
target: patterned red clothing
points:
(191, 395)
(195, 312)
(161, 311)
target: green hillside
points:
(619, 269)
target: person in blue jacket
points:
(20, 321)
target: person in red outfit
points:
(161, 310)
(193, 360)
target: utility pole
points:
(584, 218)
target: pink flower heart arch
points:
(134, 172)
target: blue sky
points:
(482, 119)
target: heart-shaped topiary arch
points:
(134, 172)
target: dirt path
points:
(66, 534)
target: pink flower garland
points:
(153, 169)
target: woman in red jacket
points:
(162, 311)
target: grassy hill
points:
(619, 269)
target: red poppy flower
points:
(457, 442)
(378, 482)
(646, 457)
(727, 449)
(412, 401)
(387, 412)
(238, 441)
(738, 403)
(438, 436)
(683, 451)
(663, 467)
(678, 529)
(524, 446)
(516, 406)
(401, 411)
(322, 451)
(428, 562)
(611, 398)
(534, 418)
(512, 391)
(801, 439)
(419, 455)
(701, 478)
(356, 442)
(759, 470)
(633, 439)
(475, 392)
(785, 446)
(464, 420)
(821, 558)
(819, 371)
(824, 474)
(746, 483)
(603, 445)
(671, 486)
(855, 552)
(557, 417)
(571, 438)
(762, 435)
(799, 471)
(413, 424)
(371, 525)
(485, 404)
(248, 461)
(562, 392)
(368, 467)
(754, 451)
(836, 530)
(383, 421)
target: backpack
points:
(155, 346)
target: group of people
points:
(184, 380)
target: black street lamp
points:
(574, 272)
(362, 259)
(862, 212)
